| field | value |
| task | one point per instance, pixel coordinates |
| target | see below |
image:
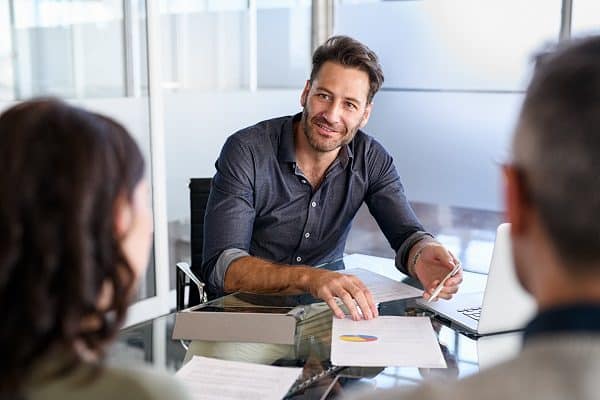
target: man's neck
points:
(573, 291)
(551, 280)
(562, 286)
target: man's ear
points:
(304, 95)
(123, 216)
(366, 115)
(518, 206)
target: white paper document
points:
(386, 341)
(383, 288)
(210, 378)
(382, 266)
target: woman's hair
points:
(62, 170)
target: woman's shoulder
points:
(113, 383)
(147, 382)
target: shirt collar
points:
(574, 318)
(287, 149)
(345, 155)
(287, 152)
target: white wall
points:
(131, 112)
(197, 125)
(447, 146)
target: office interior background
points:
(182, 75)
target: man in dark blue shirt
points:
(286, 191)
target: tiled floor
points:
(468, 233)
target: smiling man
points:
(286, 191)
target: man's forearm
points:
(254, 275)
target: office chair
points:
(185, 278)
(199, 192)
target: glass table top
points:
(151, 342)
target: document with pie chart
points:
(384, 342)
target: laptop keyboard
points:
(472, 312)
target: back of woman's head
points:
(62, 172)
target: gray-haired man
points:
(553, 202)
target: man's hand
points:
(433, 264)
(327, 285)
(254, 275)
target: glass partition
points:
(6, 53)
(585, 18)
(69, 48)
(452, 44)
(90, 53)
(283, 43)
(205, 45)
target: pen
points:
(439, 287)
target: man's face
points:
(335, 106)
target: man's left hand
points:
(433, 264)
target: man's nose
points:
(333, 112)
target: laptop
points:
(504, 306)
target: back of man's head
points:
(557, 149)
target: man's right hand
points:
(327, 285)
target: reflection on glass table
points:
(152, 342)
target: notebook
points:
(504, 306)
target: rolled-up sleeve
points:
(388, 204)
(230, 213)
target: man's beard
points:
(325, 146)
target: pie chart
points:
(358, 338)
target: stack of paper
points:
(383, 288)
(210, 378)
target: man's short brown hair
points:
(349, 52)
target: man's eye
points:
(351, 106)
(323, 96)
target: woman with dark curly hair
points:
(75, 235)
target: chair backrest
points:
(199, 192)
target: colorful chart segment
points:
(358, 338)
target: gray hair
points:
(557, 149)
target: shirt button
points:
(307, 235)
(298, 259)
(314, 204)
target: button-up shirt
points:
(261, 204)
